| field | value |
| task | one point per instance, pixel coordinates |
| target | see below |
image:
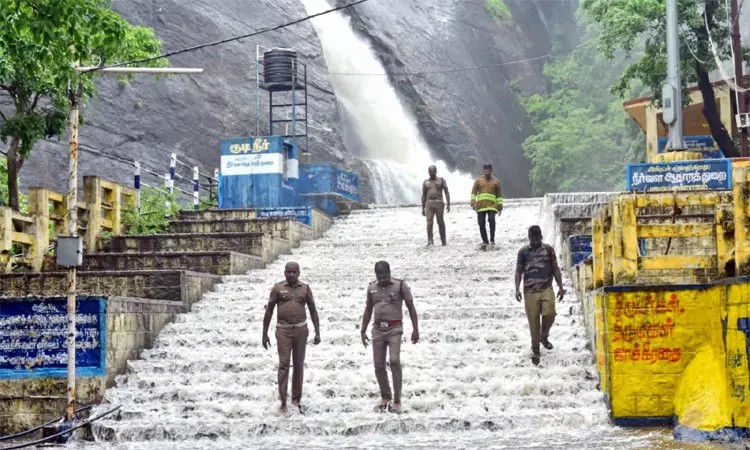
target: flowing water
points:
(469, 383)
(384, 131)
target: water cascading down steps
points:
(208, 383)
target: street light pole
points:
(672, 90)
(75, 99)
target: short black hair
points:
(384, 265)
(534, 230)
(487, 166)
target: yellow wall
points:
(646, 338)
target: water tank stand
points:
(285, 80)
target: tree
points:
(583, 138)
(40, 43)
(626, 24)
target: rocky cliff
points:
(468, 116)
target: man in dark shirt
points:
(386, 298)
(291, 296)
(537, 264)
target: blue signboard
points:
(302, 214)
(702, 175)
(347, 184)
(703, 144)
(33, 339)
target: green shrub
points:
(498, 10)
(157, 207)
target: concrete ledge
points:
(172, 285)
(218, 214)
(288, 229)
(216, 263)
(256, 244)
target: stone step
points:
(256, 244)
(171, 285)
(288, 229)
(217, 263)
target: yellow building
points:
(649, 118)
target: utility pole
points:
(739, 76)
(75, 98)
(672, 89)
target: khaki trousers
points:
(387, 340)
(435, 210)
(291, 342)
(539, 303)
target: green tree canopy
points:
(640, 25)
(40, 43)
(583, 138)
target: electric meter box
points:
(69, 251)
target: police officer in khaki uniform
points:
(291, 296)
(432, 203)
(386, 298)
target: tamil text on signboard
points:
(302, 214)
(347, 184)
(33, 339)
(705, 175)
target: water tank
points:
(279, 64)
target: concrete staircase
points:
(469, 383)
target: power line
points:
(232, 39)
(459, 69)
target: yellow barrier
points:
(101, 211)
(668, 309)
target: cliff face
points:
(147, 118)
(467, 116)
(469, 66)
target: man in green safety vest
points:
(487, 201)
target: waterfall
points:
(377, 121)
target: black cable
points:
(227, 40)
(31, 430)
(72, 429)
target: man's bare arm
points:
(447, 195)
(267, 318)
(313, 313)
(366, 319)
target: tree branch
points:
(36, 99)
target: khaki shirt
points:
(291, 301)
(388, 301)
(434, 188)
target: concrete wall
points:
(648, 341)
(132, 325)
(321, 222)
(177, 286)
(256, 244)
(216, 263)
(288, 229)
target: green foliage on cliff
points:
(157, 207)
(583, 138)
(498, 10)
